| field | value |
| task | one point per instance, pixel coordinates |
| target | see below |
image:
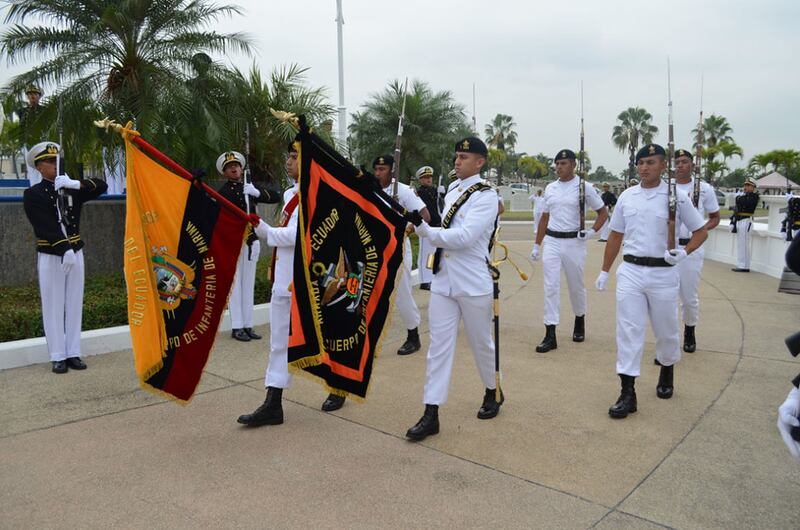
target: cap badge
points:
(652, 150)
(229, 157)
(381, 162)
(52, 149)
(465, 144)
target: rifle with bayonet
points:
(582, 177)
(698, 156)
(398, 142)
(64, 199)
(671, 188)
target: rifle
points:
(64, 200)
(582, 178)
(246, 172)
(698, 157)
(671, 191)
(398, 143)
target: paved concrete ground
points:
(91, 450)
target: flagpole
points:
(141, 143)
(342, 109)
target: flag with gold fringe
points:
(182, 241)
(348, 252)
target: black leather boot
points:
(427, 425)
(333, 402)
(626, 403)
(411, 344)
(490, 407)
(240, 334)
(269, 413)
(578, 332)
(549, 340)
(252, 334)
(664, 388)
(689, 343)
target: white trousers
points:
(689, 278)
(426, 248)
(569, 255)
(536, 218)
(743, 243)
(642, 293)
(403, 300)
(241, 300)
(62, 305)
(277, 375)
(477, 314)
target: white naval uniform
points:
(561, 202)
(689, 269)
(240, 301)
(280, 307)
(62, 305)
(426, 249)
(641, 216)
(403, 300)
(462, 288)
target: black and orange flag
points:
(182, 241)
(348, 251)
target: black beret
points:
(385, 160)
(565, 154)
(471, 144)
(650, 150)
(682, 152)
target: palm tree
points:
(713, 167)
(761, 161)
(433, 124)
(500, 135)
(128, 55)
(634, 126)
(716, 130)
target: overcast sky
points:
(528, 58)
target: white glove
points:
(441, 190)
(600, 283)
(423, 229)
(68, 260)
(787, 418)
(63, 181)
(587, 234)
(251, 190)
(673, 257)
(262, 230)
(535, 252)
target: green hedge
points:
(104, 305)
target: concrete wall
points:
(102, 230)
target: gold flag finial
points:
(288, 117)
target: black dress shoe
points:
(411, 344)
(737, 269)
(427, 425)
(268, 413)
(579, 330)
(59, 367)
(689, 343)
(490, 407)
(252, 334)
(240, 334)
(425, 286)
(549, 341)
(76, 364)
(665, 386)
(626, 402)
(333, 402)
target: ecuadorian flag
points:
(181, 248)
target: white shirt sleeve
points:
(618, 217)
(688, 215)
(411, 200)
(593, 199)
(710, 204)
(479, 218)
(545, 196)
